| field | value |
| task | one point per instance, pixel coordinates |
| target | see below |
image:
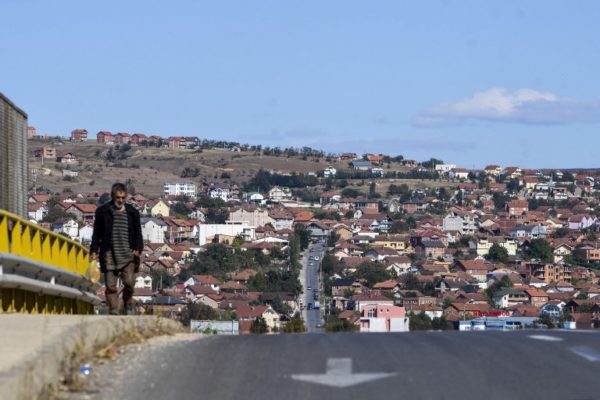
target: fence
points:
(42, 271)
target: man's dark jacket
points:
(103, 225)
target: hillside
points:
(148, 168)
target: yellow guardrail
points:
(22, 238)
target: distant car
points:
(308, 288)
(316, 258)
(316, 296)
(310, 263)
(319, 325)
(310, 306)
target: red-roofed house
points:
(251, 313)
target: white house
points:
(143, 280)
(329, 172)
(68, 227)
(154, 230)
(37, 211)
(459, 173)
(484, 245)
(85, 234)
(180, 188)
(277, 194)
(254, 197)
(444, 168)
(219, 193)
(579, 222)
(529, 231)
(252, 216)
(377, 171)
(207, 232)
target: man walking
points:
(117, 242)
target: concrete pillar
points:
(13, 158)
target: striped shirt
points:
(120, 254)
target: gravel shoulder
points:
(108, 377)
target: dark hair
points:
(117, 187)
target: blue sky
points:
(470, 82)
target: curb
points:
(41, 372)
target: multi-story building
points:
(105, 137)
(13, 158)
(46, 152)
(517, 207)
(122, 138)
(463, 222)
(485, 244)
(79, 135)
(180, 188)
(589, 253)
(383, 318)
(31, 132)
(154, 230)
(177, 142)
(549, 272)
(251, 215)
(138, 138)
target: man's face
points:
(119, 199)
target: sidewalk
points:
(37, 349)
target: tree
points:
(399, 190)
(372, 273)
(335, 324)
(201, 312)
(373, 189)
(329, 265)
(500, 200)
(350, 192)
(410, 282)
(540, 249)
(399, 226)
(161, 279)
(431, 163)
(303, 234)
(181, 208)
(333, 238)
(497, 253)
(296, 325)
(259, 326)
(56, 213)
(546, 320)
(420, 322)
(216, 215)
(498, 286)
(441, 323)
(560, 233)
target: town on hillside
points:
(407, 245)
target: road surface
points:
(420, 365)
(310, 279)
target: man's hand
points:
(136, 253)
(93, 256)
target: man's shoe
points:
(129, 310)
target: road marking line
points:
(546, 338)
(586, 352)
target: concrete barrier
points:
(37, 350)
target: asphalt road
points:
(424, 365)
(310, 278)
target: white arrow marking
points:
(546, 338)
(339, 374)
(586, 352)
